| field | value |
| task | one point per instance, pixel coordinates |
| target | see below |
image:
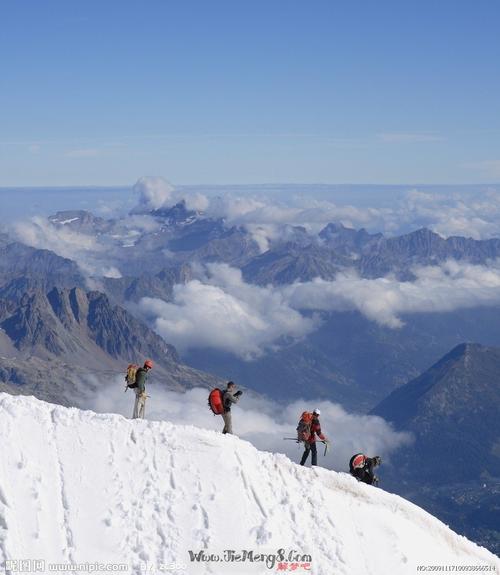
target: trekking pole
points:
(290, 439)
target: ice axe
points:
(327, 443)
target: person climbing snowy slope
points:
(309, 437)
(140, 390)
(230, 397)
(361, 467)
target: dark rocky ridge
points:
(372, 255)
(453, 410)
(42, 268)
(453, 467)
(86, 331)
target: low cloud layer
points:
(220, 311)
(268, 218)
(99, 255)
(454, 285)
(264, 422)
(473, 215)
(87, 251)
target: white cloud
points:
(263, 421)
(219, 310)
(39, 232)
(112, 272)
(142, 222)
(469, 215)
(234, 207)
(262, 234)
(196, 202)
(223, 312)
(157, 192)
(454, 285)
(450, 215)
(266, 216)
(87, 251)
(154, 192)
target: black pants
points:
(365, 474)
(310, 447)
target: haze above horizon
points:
(249, 92)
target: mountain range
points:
(182, 236)
(348, 358)
(52, 340)
(453, 466)
(60, 325)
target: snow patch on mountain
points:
(76, 486)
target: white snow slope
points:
(83, 488)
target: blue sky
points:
(103, 92)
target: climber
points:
(140, 390)
(310, 438)
(361, 467)
(229, 397)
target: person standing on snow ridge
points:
(361, 467)
(140, 390)
(310, 443)
(229, 397)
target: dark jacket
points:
(228, 399)
(365, 473)
(315, 430)
(140, 379)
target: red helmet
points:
(148, 363)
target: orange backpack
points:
(304, 426)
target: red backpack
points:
(359, 461)
(304, 426)
(216, 401)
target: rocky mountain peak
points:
(178, 214)
(453, 406)
(81, 221)
(343, 238)
(69, 305)
(464, 376)
(420, 241)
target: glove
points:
(238, 393)
(377, 460)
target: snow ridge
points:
(76, 486)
